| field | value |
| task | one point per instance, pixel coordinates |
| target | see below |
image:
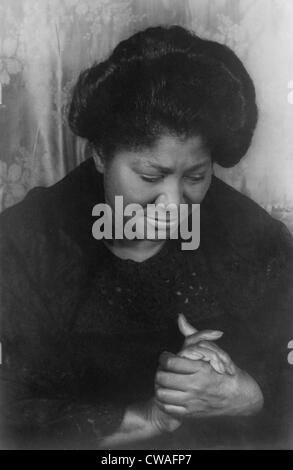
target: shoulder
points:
(248, 229)
(51, 225)
(234, 206)
(46, 209)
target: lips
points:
(162, 223)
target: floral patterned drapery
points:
(45, 43)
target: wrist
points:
(148, 416)
(161, 421)
(141, 421)
(141, 418)
(134, 427)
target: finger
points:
(208, 356)
(192, 352)
(229, 365)
(173, 410)
(209, 335)
(171, 397)
(180, 365)
(171, 380)
(184, 326)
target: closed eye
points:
(195, 178)
(151, 179)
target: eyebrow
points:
(198, 166)
(167, 170)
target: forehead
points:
(171, 152)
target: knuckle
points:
(163, 356)
(163, 362)
(158, 393)
(158, 377)
(169, 362)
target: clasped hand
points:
(202, 381)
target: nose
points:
(170, 194)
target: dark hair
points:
(166, 80)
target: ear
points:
(99, 161)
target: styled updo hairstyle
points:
(166, 80)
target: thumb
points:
(184, 326)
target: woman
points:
(112, 341)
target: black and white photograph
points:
(146, 226)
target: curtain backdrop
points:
(45, 43)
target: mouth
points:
(162, 223)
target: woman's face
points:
(176, 170)
(173, 171)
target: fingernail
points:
(218, 367)
(222, 367)
(206, 359)
(191, 355)
(195, 355)
(216, 333)
(231, 370)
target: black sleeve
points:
(267, 360)
(39, 407)
(279, 332)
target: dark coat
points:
(81, 330)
